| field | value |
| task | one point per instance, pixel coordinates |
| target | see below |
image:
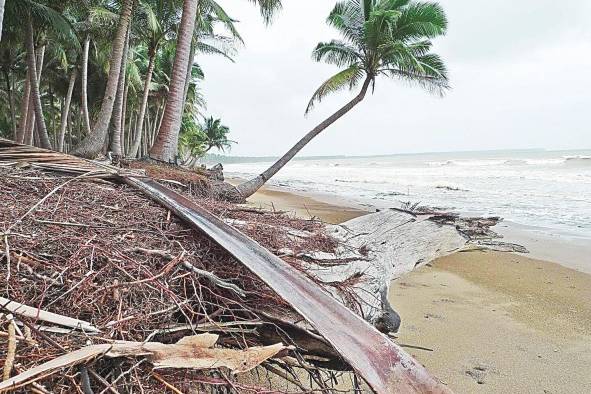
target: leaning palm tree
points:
(380, 38)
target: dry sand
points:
(496, 322)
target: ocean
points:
(549, 190)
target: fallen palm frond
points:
(39, 314)
(383, 364)
(194, 352)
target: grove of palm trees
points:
(91, 77)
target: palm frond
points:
(48, 18)
(348, 78)
(419, 20)
(336, 52)
(268, 8)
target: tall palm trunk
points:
(189, 70)
(1, 16)
(84, 83)
(66, 111)
(35, 93)
(248, 188)
(144, 105)
(118, 106)
(30, 136)
(124, 130)
(92, 144)
(9, 90)
(166, 146)
(22, 127)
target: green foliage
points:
(383, 38)
(197, 139)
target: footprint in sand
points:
(478, 373)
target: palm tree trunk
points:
(248, 188)
(124, 130)
(22, 127)
(166, 146)
(118, 105)
(92, 144)
(144, 105)
(35, 93)
(84, 83)
(66, 111)
(10, 92)
(30, 136)
(189, 70)
(1, 17)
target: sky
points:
(520, 74)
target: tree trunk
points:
(30, 137)
(166, 146)
(84, 83)
(144, 105)
(124, 130)
(92, 144)
(1, 17)
(118, 106)
(66, 111)
(188, 79)
(22, 127)
(10, 92)
(35, 93)
(248, 188)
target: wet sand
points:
(304, 206)
(496, 322)
(499, 323)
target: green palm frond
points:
(45, 17)
(348, 78)
(150, 17)
(211, 49)
(420, 20)
(268, 8)
(101, 16)
(336, 52)
(220, 14)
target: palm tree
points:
(158, 20)
(380, 38)
(1, 16)
(215, 135)
(166, 146)
(93, 142)
(197, 139)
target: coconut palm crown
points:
(383, 38)
(389, 38)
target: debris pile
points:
(101, 286)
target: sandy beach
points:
(489, 322)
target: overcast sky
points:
(520, 72)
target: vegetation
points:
(197, 141)
(389, 38)
(91, 76)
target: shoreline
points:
(492, 322)
(564, 249)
